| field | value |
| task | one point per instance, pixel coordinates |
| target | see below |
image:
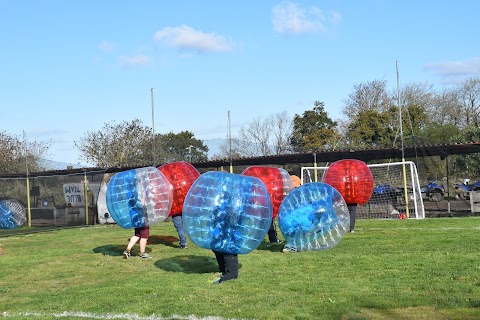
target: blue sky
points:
(68, 67)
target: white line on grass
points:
(89, 315)
(426, 229)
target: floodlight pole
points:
(401, 141)
(190, 152)
(230, 142)
(153, 129)
(29, 212)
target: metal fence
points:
(56, 200)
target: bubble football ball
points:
(181, 176)
(277, 180)
(314, 216)
(226, 212)
(139, 197)
(352, 178)
(13, 215)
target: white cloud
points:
(187, 38)
(455, 70)
(106, 46)
(291, 18)
(138, 60)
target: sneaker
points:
(183, 246)
(145, 256)
(217, 279)
(279, 241)
(126, 254)
(352, 231)
(289, 249)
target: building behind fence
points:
(57, 200)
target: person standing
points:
(142, 234)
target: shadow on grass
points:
(116, 250)
(273, 247)
(165, 240)
(189, 264)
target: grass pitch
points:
(401, 269)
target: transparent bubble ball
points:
(314, 216)
(13, 214)
(139, 197)
(227, 212)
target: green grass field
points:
(400, 269)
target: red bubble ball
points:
(181, 176)
(352, 178)
(277, 180)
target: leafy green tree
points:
(434, 133)
(468, 94)
(182, 147)
(15, 154)
(128, 143)
(467, 165)
(371, 128)
(372, 95)
(314, 129)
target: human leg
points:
(220, 256)
(352, 209)
(178, 223)
(272, 232)
(231, 267)
(143, 245)
(131, 243)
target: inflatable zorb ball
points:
(181, 176)
(314, 216)
(139, 197)
(226, 212)
(12, 214)
(277, 180)
(352, 178)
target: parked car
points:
(433, 191)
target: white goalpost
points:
(388, 198)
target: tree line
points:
(372, 114)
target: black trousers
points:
(352, 209)
(228, 265)
(272, 232)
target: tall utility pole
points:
(153, 129)
(190, 152)
(29, 212)
(230, 142)
(401, 141)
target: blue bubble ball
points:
(13, 214)
(226, 212)
(314, 216)
(139, 197)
